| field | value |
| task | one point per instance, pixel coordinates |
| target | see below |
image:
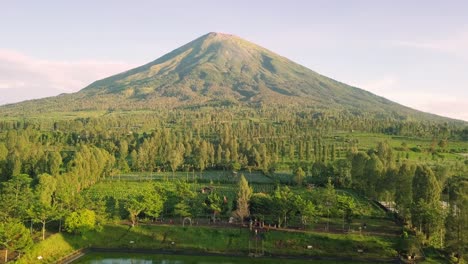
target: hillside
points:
(218, 70)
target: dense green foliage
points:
(45, 167)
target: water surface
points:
(131, 258)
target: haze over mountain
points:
(218, 69)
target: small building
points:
(207, 189)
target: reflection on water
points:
(128, 258)
(147, 261)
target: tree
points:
(154, 204)
(319, 172)
(347, 206)
(150, 203)
(265, 158)
(385, 154)
(283, 204)
(425, 185)
(81, 221)
(306, 209)
(13, 163)
(456, 236)
(202, 156)
(427, 212)
(373, 172)
(54, 161)
(343, 176)
(43, 207)
(358, 165)
(442, 173)
(134, 204)
(244, 194)
(176, 158)
(42, 213)
(329, 199)
(332, 153)
(261, 205)
(14, 236)
(213, 204)
(299, 176)
(15, 196)
(182, 209)
(219, 155)
(430, 218)
(404, 190)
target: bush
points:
(80, 221)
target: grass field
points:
(452, 152)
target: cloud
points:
(440, 103)
(451, 107)
(456, 44)
(24, 77)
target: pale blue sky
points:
(412, 52)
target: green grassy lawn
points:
(451, 152)
(208, 176)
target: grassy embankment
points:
(214, 240)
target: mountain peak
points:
(221, 39)
(219, 34)
(224, 67)
(220, 69)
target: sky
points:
(412, 52)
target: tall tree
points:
(134, 204)
(16, 195)
(404, 190)
(358, 165)
(385, 154)
(425, 185)
(299, 176)
(427, 212)
(373, 172)
(176, 157)
(347, 206)
(244, 194)
(306, 208)
(43, 207)
(283, 204)
(329, 199)
(456, 237)
(54, 161)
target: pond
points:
(132, 258)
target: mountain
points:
(217, 69)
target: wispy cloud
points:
(436, 102)
(457, 44)
(452, 107)
(24, 77)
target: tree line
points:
(45, 165)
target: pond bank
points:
(206, 241)
(143, 251)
